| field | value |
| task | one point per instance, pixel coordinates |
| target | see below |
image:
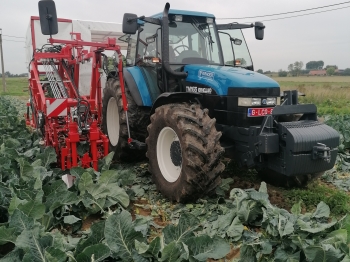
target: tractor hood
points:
(220, 78)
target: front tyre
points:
(184, 151)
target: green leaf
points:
(322, 210)
(95, 237)
(315, 227)
(285, 226)
(282, 256)
(224, 186)
(14, 256)
(141, 247)
(7, 235)
(322, 253)
(33, 209)
(203, 247)
(55, 255)
(171, 252)
(15, 202)
(12, 143)
(337, 236)
(48, 157)
(20, 221)
(70, 219)
(85, 183)
(29, 241)
(296, 208)
(26, 170)
(121, 235)
(106, 161)
(94, 253)
(154, 247)
(120, 195)
(235, 230)
(188, 223)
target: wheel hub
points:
(113, 121)
(175, 153)
(169, 154)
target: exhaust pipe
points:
(165, 45)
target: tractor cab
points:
(162, 50)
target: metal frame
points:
(64, 131)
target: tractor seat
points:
(187, 54)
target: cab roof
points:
(184, 12)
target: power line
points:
(281, 18)
(13, 41)
(286, 12)
(14, 36)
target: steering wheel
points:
(175, 49)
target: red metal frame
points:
(61, 131)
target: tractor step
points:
(135, 144)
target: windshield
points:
(235, 54)
(193, 42)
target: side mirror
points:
(129, 23)
(48, 17)
(259, 30)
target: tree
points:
(291, 68)
(346, 72)
(260, 71)
(330, 71)
(334, 66)
(314, 65)
(282, 73)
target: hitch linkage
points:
(321, 151)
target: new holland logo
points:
(206, 74)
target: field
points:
(16, 86)
(116, 214)
(330, 93)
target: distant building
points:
(322, 72)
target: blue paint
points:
(141, 84)
(184, 12)
(220, 78)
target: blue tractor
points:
(193, 95)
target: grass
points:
(331, 94)
(338, 201)
(15, 86)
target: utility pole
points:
(2, 64)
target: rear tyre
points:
(184, 151)
(114, 122)
(279, 180)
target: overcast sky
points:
(324, 36)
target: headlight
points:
(271, 101)
(256, 101)
(178, 18)
(248, 101)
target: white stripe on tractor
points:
(55, 104)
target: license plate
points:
(253, 112)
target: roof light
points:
(178, 18)
(210, 20)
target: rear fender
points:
(178, 97)
(131, 84)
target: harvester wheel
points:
(184, 151)
(114, 122)
(273, 178)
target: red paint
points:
(62, 132)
